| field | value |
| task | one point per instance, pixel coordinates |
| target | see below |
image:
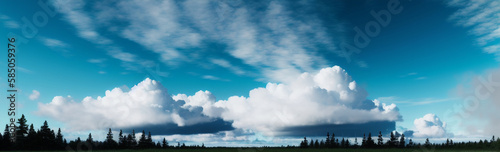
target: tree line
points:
(44, 138)
(397, 142)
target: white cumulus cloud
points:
(429, 126)
(147, 103)
(327, 97)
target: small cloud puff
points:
(34, 95)
(429, 126)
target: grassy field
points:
(290, 150)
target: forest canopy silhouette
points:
(45, 138)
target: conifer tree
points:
(380, 139)
(327, 142)
(6, 143)
(1, 141)
(402, 141)
(158, 145)
(165, 143)
(33, 142)
(369, 142)
(332, 140)
(46, 137)
(59, 139)
(149, 140)
(121, 139)
(21, 131)
(143, 141)
(110, 143)
(393, 140)
(130, 140)
(133, 142)
(363, 142)
(90, 140)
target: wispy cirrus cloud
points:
(211, 77)
(100, 60)
(54, 42)
(483, 19)
(57, 45)
(75, 14)
(9, 23)
(87, 28)
(226, 64)
(274, 40)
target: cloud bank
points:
(147, 103)
(329, 96)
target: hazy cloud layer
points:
(477, 111)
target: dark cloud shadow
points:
(171, 129)
(345, 130)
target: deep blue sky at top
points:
(420, 56)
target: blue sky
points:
(237, 52)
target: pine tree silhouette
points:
(149, 141)
(21, 132)
(402, 141)
(59, 140)
(143, 141)
(109, 143)
(165, 143)
(6, 143)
